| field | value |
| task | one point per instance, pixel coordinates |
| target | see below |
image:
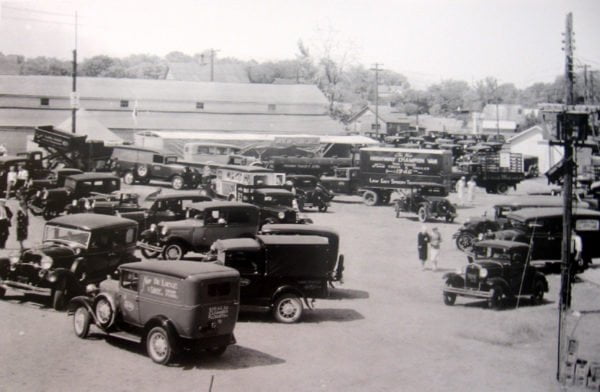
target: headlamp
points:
(483, 273)
(281, 215)
(153, 227)
(46, 262)
(164, 230)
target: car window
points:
(129, 280)
(244, 262)
(157, 159)
(101, 241)
(238, 216)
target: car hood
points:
(52, 249)
(284, 209)
(508, 234)
(490, 265)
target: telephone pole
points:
(74, 97)
(586, 96)
(212, 63)
(377, 69)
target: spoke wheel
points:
(465, 241)
(104, 312)
(370, 198)
(537, 296)
(149, 254)
(496, 300)
(287, 309)
(81, 322)
(158, 347)
(423, 214)
(128, 178)
(501, 188)
(173, 252)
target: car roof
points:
(529, 213)
(181, 269)
(124, 147)
(238, 244)
(292, 239)
(202, 205)
(535, 201)
(503, 244)
(93, 176)
(91, 221)
(297, 228)
(273, 191)
(301, 176)
(182, 195)
(247, 169)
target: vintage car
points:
(32, 161)
(309, 192)
(427, 201)
(76, 250)
(52, 202)
(135, 164)
(171, 207)
(205, 223)
(53, 179)
(344, 181)
(496, 219)
(170, 306)
(542, 228)
(276, 205)
(498, 270)
(281, 272)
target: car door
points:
(215, 227)
(129, 298)
(251, 266)
(96, 260)
(158, 167)
(518, 277)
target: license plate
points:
(472, 278)
(218, 312)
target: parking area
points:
(385, 329)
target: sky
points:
(515, 41)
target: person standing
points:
(471, 190)
(22, 223)
(422, 243)
(11, 181)
(460, 190)
(5, 217)
(22, 178)
(435, 243)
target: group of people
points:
(16, 180)
(428, 244)
(463, 187)
(22, 222)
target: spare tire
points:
(142, 170)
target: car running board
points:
(126, 336)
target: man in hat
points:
(5, 217)
(435, 243)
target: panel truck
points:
(384, 170)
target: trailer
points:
(493, 171)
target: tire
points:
(104, 312)
(173, 251)
(449, 218)
(287, 309)
(501, 188)
(449, 298)
(59, 296)
(370, 198)
(128, 178)
(423, 214)
(216, 351)
(465, 241)
(148, 254)
(158, 346)
(537, 295)
(48, 214)
(323, 207)
(300, 204)
(81, 322)
(177, 183)
(2, 292)
(496, 300)
(385, 199)
(141, 171)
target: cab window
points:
(129, 280)
(157, 159)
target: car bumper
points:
(25, 288)
(150, 247)
(465, 292)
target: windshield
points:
(279, 200)
(63, 234)
(70, 183)
(517, 224)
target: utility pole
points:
(377, 69)
(74, 97)
(212, 63)
(586, 96)
(592, 92)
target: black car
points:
(543, 229)
(427, 201)
(498, 271)
(76, 250)
(167, 207)
(280, 272)
(310, 192)
(51, 202)
(276, 205)
(53, 179)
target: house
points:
(500, 118)
(391, 122)
(128, 105)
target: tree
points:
(96, 66)
(449, 95)
(178, 57)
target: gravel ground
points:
(385, 329)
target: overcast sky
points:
(517, 41)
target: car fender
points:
(113, 304)
(502, 282)
(177, 240)
(81, 300)
(288, 289)
(542, 277)
(163, 321)
(59, 274)
(453, 279)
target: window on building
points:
(45, 101)
(124, 104)
(199, 105)
(272, 107)
(375, 126)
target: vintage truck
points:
(495, 171)
(384, 170)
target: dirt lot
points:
(385, 329)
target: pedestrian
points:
(435, 243)
(422, 243)
(11, 181)
(460, 190)
(5, 217)
(22, 178)
(471, 190)
(22, 223)
(576, 252)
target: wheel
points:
(173, 252)
(158, 346)
(537, 295)
(385, 199)
(495, 301)
(104, 313)
(216, 351)
(142, 170)
(301, 204)
(48, 214)
(423, 213)
(149, 254)
(81, 322)
(177, 183)
(449, 298)
(323, 207)
(2, 292)
(582, 264)
(128, 178)
(287, 308)
(501, 188)
(370, 198)
(59, 296)
(449, 218)
(465, 241)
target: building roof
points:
(386, 114)
(192, 71)
(87, 125)
(164, 90)
(503, 125)
(536, 129)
